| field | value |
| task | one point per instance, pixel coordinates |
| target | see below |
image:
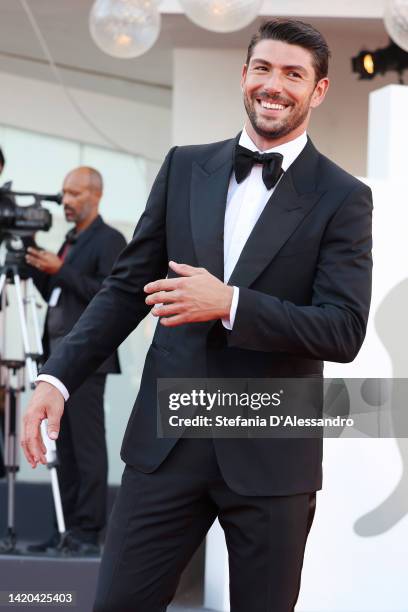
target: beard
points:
(276, 128)
(77, 215)
(70, 215)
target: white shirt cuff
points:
(55, 383)
(229, 323)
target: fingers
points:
(34, 261)
(163, 297)
(185, 269)
(31, 442)
(170, 296)
(37, 254)
(46, 403)
(179, 319)
(33, 251)
(169, 284)
(30, 458)
(53, 428)
(164, 285)
(165, 311)
(34, 257)
(27, 454)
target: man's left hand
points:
(43, 260)
(196, 295)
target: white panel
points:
(206, 102)
(361, 525)
(124, 177)
(137, 128)
(37, 162)
(388, 130)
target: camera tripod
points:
(12, 377)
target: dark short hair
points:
(2, 159)
(295, 32)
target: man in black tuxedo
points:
(68, 281)
(273, 277)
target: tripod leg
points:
(31, 365)
(31, 301)
(3, 305)
(32, 375)
(10, 462)
(3, 278)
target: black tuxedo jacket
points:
(305, 280)
(88, 262)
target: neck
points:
(263, 143)
(80, 226)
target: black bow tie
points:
(244, 159)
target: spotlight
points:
(367, 64)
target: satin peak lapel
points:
(208, 196)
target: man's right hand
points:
(46, 403)
(45, 261)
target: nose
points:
(274, 82)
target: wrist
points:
(57, 268)
(228, 295)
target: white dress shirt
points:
(245, 202)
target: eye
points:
(260, 68)
(292, 73)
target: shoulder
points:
(110, 233)
(347, 196)
(332, 176)
(200, 152)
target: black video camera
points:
(20, 221)
(18, 224)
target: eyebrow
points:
(70, 190)
(259, 60)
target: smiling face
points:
(279, 90)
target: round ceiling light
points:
(221, 15)
(396, 22)
(125, 28)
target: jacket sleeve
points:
(42, 281)
(332, 327)
(86, 286)
(120, 304)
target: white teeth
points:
(272, 106)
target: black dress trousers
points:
(83, 462)
(160, 519)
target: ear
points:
(95, 197)
(320, 92)
(243, 75)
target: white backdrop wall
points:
(140, 129)
(43, 137)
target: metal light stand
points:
(12, 377)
